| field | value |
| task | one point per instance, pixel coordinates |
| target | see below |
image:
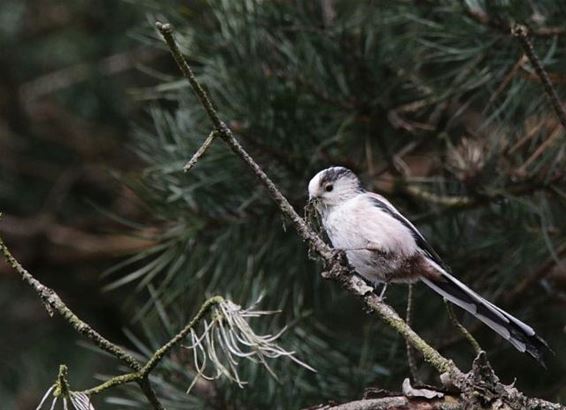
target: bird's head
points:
(332, 186)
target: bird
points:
(384, 247)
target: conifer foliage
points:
(450, 109)
(435, 105)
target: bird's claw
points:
(339, 256)
(336, 264)
(381, 295)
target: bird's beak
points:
(314, 202)
(312, 208)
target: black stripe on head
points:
(333, 174)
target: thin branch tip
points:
(164, 28)
(200, 152)
(519, 30)
(62, 383)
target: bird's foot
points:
(336, 266)
(339, 256)
(381, 295)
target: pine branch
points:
(338, 269)
(336, 266)
(200, 152)
(522, 33)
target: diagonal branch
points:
(141, 376)
(166, 31)
(226, 134)
(522, 33)
(337, 267)
(481, 17)
(53, 303)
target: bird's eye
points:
(329, 187)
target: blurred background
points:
(433, 105)
(65, 127)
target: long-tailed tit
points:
(383, 247)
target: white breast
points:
(357, 226)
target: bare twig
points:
(166, 31)
(53, 303)
(226, 337)
(410, 353)
(145, 386)
(200, 152)
(226, 134)
(62, 382)
(522, 34)
(465, 333)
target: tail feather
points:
(519, 334)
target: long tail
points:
(519, 334)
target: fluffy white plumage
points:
(383, 246)
(371, 232)
(369, 237)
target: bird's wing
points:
(386, 206)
